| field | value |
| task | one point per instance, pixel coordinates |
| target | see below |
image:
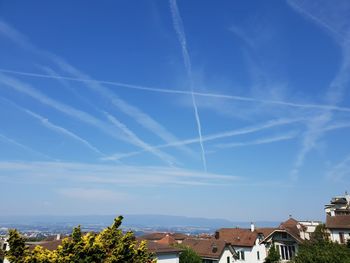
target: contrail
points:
(58, 129)
(45, 122)
(183, 92)
(339, 28)
(212, 137)
(66, 109)
(178, 26)
(137, 141)
(285, 137)
(9, 140)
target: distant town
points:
(214, 245)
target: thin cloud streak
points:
(279, 138)
(341, 170)
(143, 119)
(135, 113)
(316, 126)
(63, 131)
(178, 26)
(212, 137)
(24, 147)
(70, 111)
(134, 139)
(143, 176)
(58, 129)
(183, 92)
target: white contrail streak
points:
(212, 137)
(45, 122)
(11, 141)
(68, 110)
(137, 141)
(268, 140)
(178, 26)
(184, 92)
(58, 129)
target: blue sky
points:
(230, 109)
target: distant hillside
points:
(129, 221)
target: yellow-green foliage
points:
(109, 246)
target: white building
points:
(338, 218)
(245, 242)
(339, 228)
(306, 228)
(339, 205)
(5, 247)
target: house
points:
(339, 228)
(211, 250)
(5, 247)
(179, 237)
(338, 218)
(306, 228)
(339, 205)
(164, 253)
(245, 242)
(286, 238)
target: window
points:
(284, 235)
(4, 247)
(341, 238)
(258, 255)
(242, 255)
(228, 259)
(283, 255)
(287, 252)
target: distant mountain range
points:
(153, 221)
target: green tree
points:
(18, 250)
(2, 255)
(322, 252)
(320, 233)
(109, 246)
(273, 255)
(188, 255)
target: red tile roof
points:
(159, 236)
(241, 237)
(339, 221)
(206, 248)
(167, 240)
(159, 248)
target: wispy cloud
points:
(92, 194)
(139, 116)
(183, 92)
(216, 136)
(178, 26)
(341, 170)
(23, 147)
(278, 138)
(120, 175)
(58, 129)
(134, 139)
(132, 111)
(339, 28)
(63, 131)
(119, 133)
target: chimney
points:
(252, 227)
(217, 235)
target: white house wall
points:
(335, 234)
(168, 258)
(225, 254)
